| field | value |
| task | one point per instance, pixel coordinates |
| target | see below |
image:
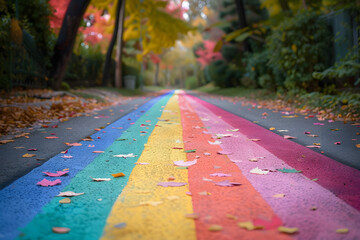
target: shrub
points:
(298, 47)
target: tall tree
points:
(65, 42)
(118, 69)
(242, 21)
(111, 46)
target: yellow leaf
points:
(115, 175)
(294, 48)
(27, 155)
(288, 230)
(342, 230)
(280, 195)
(249, 226)
(65, 200)
(215, 228)
(218, 46)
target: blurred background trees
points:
(290, 47)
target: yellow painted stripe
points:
(151, 211)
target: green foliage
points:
(230, 53)
(65, 86)
(34, 19)
(85, 68)
(298, 47)
(191, 82)
(349, 67)
(222, 74)
(5, 82)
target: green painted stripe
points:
(86, 214)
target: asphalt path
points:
(14, 166)
(328, 134)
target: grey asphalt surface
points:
(13, 165)
(346, 153)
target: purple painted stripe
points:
(301, 194)
(341, 180)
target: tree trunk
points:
(118, 69)
(111, 46)
(66, 40)
(304, 4)
(156, 77)
(242, 21)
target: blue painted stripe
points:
(22, 200)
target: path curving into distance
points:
(217, 197)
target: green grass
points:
(87, 96)
(238, 92)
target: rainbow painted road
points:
(181, 168)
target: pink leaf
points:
(274, 223)
(337, 143)
(32, 149)
(319, 124)
(171, 184)
(67, 156)
(227, 183)
(185, 164)
(46, 183)
(288, 137)
(57, 174)
(68, 194)
(220, 175)
(98, 151)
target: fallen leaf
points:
(152, 203)
(227, 183)
(60, 230)
(259, 171)
(317, 144)
(125, 155)
(220, 175)
(185, 164)
(47, 183)
(274, 223)
(120, 225)
(65, 152)
(141, 163)
(358, 145)
(192, 216)
(69, 194)
(291, 116)
(232, 217)
(289, 137)
(57, 174)
(312, 135)
(177, 148)
(74, 144)
(66, 156)
(307, 132)
(101, 179)
(207, 154)
(319, 124)
(51, 137)
(342, 230)
(98, 151)
(272, 129)
(171, 184)
(254, 139)
(190, 151)
(282, 130)
(214, 143)
(249, 226)
(32, 149)
(255, 159)
(287, 230)
(115, 175)
(27, 155)
(171, 198)
(171, 178)
(233, 130)
(220, 135)
(215, 228)
(65, 200)
(337, 143)
(204, 193)
(312, 146)
(207, 179)
(286, 170)
(224, 153)
(6, 141)
(279, 195)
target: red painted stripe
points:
(340, 179)
(241, 201)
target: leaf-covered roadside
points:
(24, 109)
(342, 107)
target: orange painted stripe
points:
(243, 201)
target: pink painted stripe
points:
(341, 180)
(300, 192)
